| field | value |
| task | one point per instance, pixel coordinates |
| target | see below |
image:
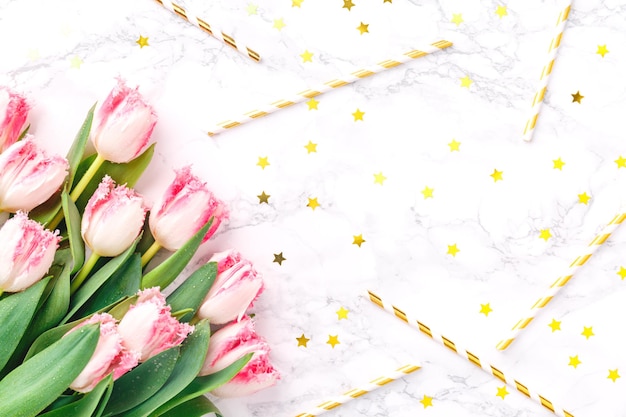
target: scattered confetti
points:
(453, 250)
(311, 147)
(313, 203)
(555, 325)
(76, 62)
(263, 198)
(142, 42)
(347, 4)
(342, 313)
(622, 272)
(558, 164)
(252, 9)
(312, 104)
(279, 258)
(545, 234)
(454, 146)
(485, 309)
(427, 401)
(587, 332)
(279, 24)
(302, 340)
(379, 178)
(358, 115)
(466, 82)
(574, 361)
(502, 392)
(602, 50)
(613, 375)
(501, 11)
(307, 56)
(333, 340)
(296, 3)
(497, 175)
(427, 192)
(457, 18)
(263, 162)
(358, 240)
(363, 28)
(621, 162)
(577, 97)
(583, 198)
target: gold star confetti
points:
(621, 162)
(363, 28)
(296, 3)
(312, 104)
(76, 62)
(333, 340)
(379, 178)
(453, 250)
(252, 9)
(33, 54)
(347, 4)
(457, 18)
(313, 203)
(574, 361)
(263, 198)
(545, 234)
(279, 23)
(454, 145)
(427, 192)
(485, 309)
(387, 1)
(358, 115)
(583, 198)
(502, 392)
(613, 375)
(555, 325)
(263, 162)
(342, 313)
(602, 50)
(501, 11)
(466, 81)
(427, 401)
(622, 272)
(358, 240)
(558, 164)
(587, 332)
(142, 42)
(302, 340)
(311, 147)
(279, 258)
(66, 30)
(577, 98)
(497, 175)
(307, 56)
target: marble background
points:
(514, 236)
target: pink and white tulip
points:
(123, 125)
(28, 176)
(13, 114)
(113, 218)
(148, 327)
(109, 356)
(237, 285)
(27, 253)
(185, 207)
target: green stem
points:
(1, 292)
(194, 320)
(56, 220)
(152, 250)
(84, 272)
(84, 181)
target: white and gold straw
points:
(491, 369)
(555, 42)
(560, 282)
(210, 29)
(357, 392)
(329, 85)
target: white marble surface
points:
(411, 115)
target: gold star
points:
(279, 258)
(263, 162)
(427, 401)
(142, 42)
(263, 198)
(311, 147)
(545, 234)
(622, 272)
(613, 375)
(577, 98)
(379, 178)
(466, 81)
(453, 250)
(502, 392)
(296, 3)
(333, 340)
(76, 62)
(312, 104)
(497, 175)
(342, 313)
(358, 240)
(387, 1)
(558, 164)
(454, 145)
(252, 9)
(306, 56)
(302, 340)
(363, 28)
(457, 18)
(347, 4)
(33, 54)
(66, 30)
(621, 162)
(501, 11)
(602, 50)
(279, 24)
(427, 192)
(574, 361)
(485, 309)
(358, 115)
(313, 203)
(583, 198)
(587, 332)
(555, 325)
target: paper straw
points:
(556, 286)
(529, 129)
(210, 29)
(327, 86)
(357, 392)
(491, 369)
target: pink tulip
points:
(28, 176)
(122, 125)
(27, 253)
(237, 285)
(109, 356)
(148, 328)
(185, 207)
(13, 114)
(113, 218)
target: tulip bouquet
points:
(85, 329)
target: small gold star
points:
(466, 82)
(502, 392)
(577, 98)
(279, 24)
(252, 9)
(33, 54)
(583, 198)
(545, 234)
(453, 250)
(302, 340)
(497, 175)
(555, 325)
(313, 203)
(621, 162)
(142, 42)
(558, 164)
(427, 192)
(613, 375)
(342, 313)
(574, 361)
(66, 30)
(501, 11)
(263, 198)
(333, 340)
(379, 178)
(347, 4)
(358, 115)
(427, 401)
(622, 272)
(306, 56)
(263, 162)
(602, 50)
(587, 332)
(387, 1)
(296, 3)
(279, 258)
(76, 62)
(485, 309)
(358, 240)
(363, 28)
(311, 147)
(312, 104)
(457, 18)
(454, 145)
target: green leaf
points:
(187, 367)
(164, 274)
(30, 387)
(48, 338)
(76, 152)
(85, 406)
(191, 293)
(24, 133)
(16, 312)
(72, 221)
(141, 383)
(196, 407)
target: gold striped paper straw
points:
(529, 129)
(560, 282)
(491, 369)
(210, 29)
(357, 392)
(329, 85)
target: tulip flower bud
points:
(237, 285)
(185, 207)
(27, 253)
(148, 328)
(109, 356)
(13, 114)
(113, 218)
(122, 125)
(28, 176)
